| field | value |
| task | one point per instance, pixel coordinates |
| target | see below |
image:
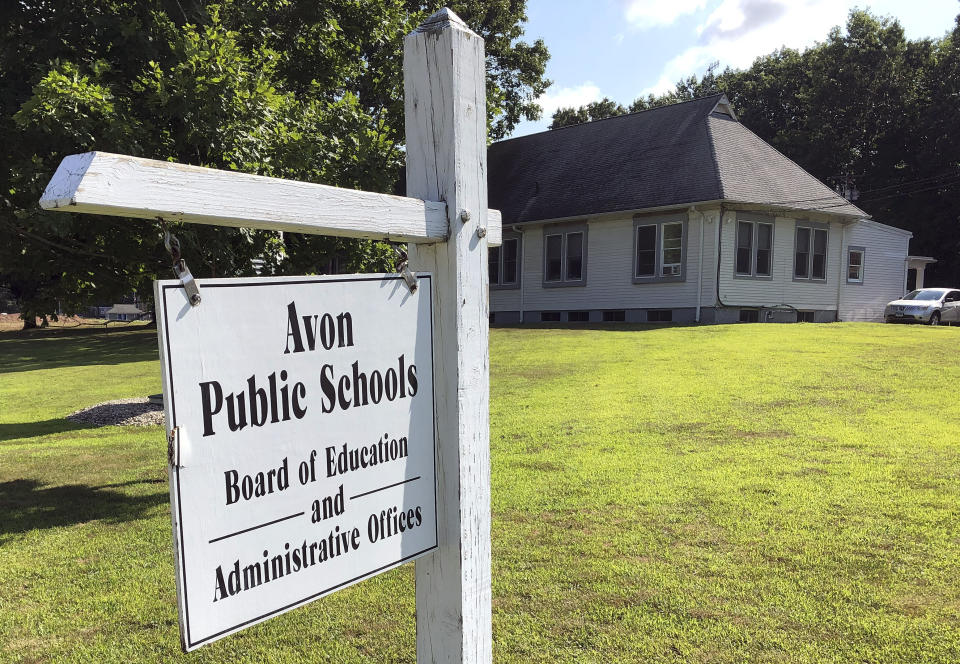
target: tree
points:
(303, 89)
(595, 110)
(936, 211)
(689, 88)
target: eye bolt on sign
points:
(302, 411)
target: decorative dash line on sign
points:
(383, 488)
(247, 530)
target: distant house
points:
(124, 312)
(8, 303)
(679, 213)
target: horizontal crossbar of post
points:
(124, 186)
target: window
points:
(578, 316)
(744, 247)
(749, 316)
(671, 253)
(819, 254)
(549, 316)
(618, 316)
(659, 315)
(504, 264)
(574, 257)
(564, 256)
(810, 252)
(855, 264)
(763, 264)
(646, 251)
(801, 260)
(660, 248)
(754, 256)
(554, 267)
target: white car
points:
(932, 306)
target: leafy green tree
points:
(935, 211)
(303, 89)
(595, 110)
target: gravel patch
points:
(121, 412)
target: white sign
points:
(302, 418)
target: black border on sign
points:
(173, 410)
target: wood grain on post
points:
(445, 103)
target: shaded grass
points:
(54, 348)
(711, 494)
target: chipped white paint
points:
(118, 185)
(446, 160)
(494, 228)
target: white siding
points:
(507, 299)
(609, 267)
(610, 256)
(781, 289)
(883, 272)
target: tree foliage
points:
(595, 110)
(868, 106)
(303, 89)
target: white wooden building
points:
(679, 213)
(124, 312)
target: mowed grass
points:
(683, 494)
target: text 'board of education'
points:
(301, 418)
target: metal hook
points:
(404, 269)
(180, 269)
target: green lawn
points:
(683, 494)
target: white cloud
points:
(653, 13)
(739, 31)
(575, 97)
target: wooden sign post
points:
(445, 104)
(448, 227)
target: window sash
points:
(745, 230)
(493, 265)
(574, 256)
(855, 267)
(646, 251)
(671, 248)
(763, 264)
(801, 260)
(509, 255)
(553, 258)
(818, 261)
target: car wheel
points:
(934, 318)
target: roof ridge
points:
(612, 117)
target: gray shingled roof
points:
(672, 155)
(124, 309)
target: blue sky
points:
(623, 49)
